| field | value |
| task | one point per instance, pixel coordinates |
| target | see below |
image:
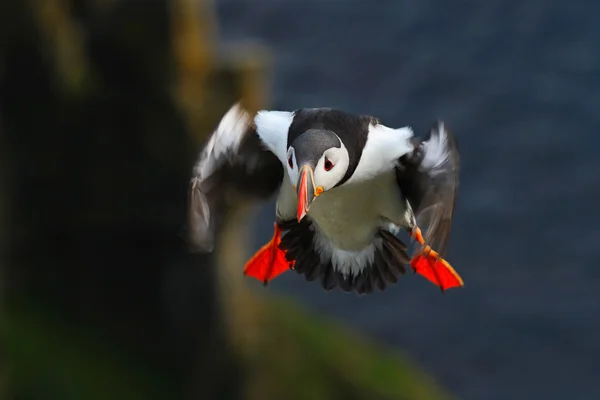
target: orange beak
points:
(305, 190)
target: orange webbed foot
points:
(269, 261)
(430, 265)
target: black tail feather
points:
(388, 264)
(347, 283)
(385, 272)
(328, 277)
(363, 284)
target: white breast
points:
(348, 217)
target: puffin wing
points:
(234, 164)
(428, 178)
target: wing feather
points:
(428, 178)
(233, 164)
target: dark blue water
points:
(519, 84)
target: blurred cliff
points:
(103, 107)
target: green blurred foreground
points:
(305, 358)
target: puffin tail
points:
(269, 261)
(428, 263)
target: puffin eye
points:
(291, 162)
(328, 164)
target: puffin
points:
(345, 185)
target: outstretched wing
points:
(428, 178)
(233, 164)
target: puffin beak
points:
(305, 190)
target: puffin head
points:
(317, 160)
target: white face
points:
(329, 170)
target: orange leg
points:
(269, 261)
(429, 264)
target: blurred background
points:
(104, 105)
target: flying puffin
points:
(346, 185)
